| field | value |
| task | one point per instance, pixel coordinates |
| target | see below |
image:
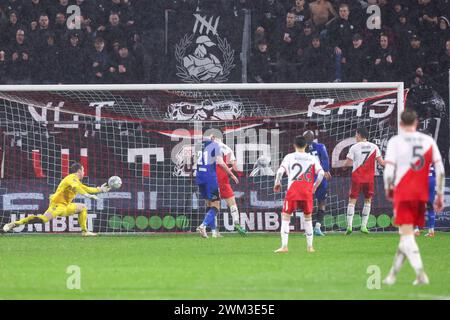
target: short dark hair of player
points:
(74, 167)
(300, 142)
(408, 117)
(363, 132)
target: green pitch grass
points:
(184, 266)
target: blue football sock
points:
(210, 218)
(431, 219)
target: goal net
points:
(148, 135)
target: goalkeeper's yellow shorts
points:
(61, 210)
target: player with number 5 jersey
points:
(301, 168)
(409, 157)
(362, 156)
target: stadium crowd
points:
(121, 41)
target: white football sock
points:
(318, 225)
(284, 231)
(365, 215)
(399, 259)
(409, 247)
(309, 232)
(350, 214)
(234, 214)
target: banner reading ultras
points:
(151, 139)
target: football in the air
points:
(115, 182)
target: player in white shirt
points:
(409, 157)
(301, 168)
(362, 156)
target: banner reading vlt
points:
(149, 139)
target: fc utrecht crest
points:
(204, 56)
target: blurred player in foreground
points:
(301, 169)
(225, 191)
(409, 156)
(61, 201)
(362, 156)
(206, 178)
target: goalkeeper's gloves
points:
(105, 188)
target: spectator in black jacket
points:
(340, 33)
(356, 61)
(123, 69)
(301, 12)
(444, 30)
(403, 31)
(316, 64)
(31, 12)
(47, 67)
(8, 35)
(98, 62)
(269, 16)
(287, 39)
(384, 62)
(20, 57)
(73, 61)
(260, 69)
(114, 30)
(415, 57)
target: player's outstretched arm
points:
(381, 161)
(320, 176)
(440, 178)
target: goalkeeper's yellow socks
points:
(82, 218)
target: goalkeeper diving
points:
(61, 201)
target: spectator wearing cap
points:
(384, 62)
(73, 61)
(20, 60)
(403, 31)
(340, 33)
(301, 12)
(356, 61)
(260, 68)
(316, 62)
(305, 38)
(98, 62)
(123, 69)
(287, 39)
(47, 61)
(415, 57)
(444, 31)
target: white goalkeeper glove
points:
(105, 188)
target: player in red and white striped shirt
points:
(301, 168)
(409, 157)
(362, 157)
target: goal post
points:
(148, 135)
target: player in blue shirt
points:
(431, 215)
(319, 150)
(206, 180)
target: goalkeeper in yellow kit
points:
(61, 201)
